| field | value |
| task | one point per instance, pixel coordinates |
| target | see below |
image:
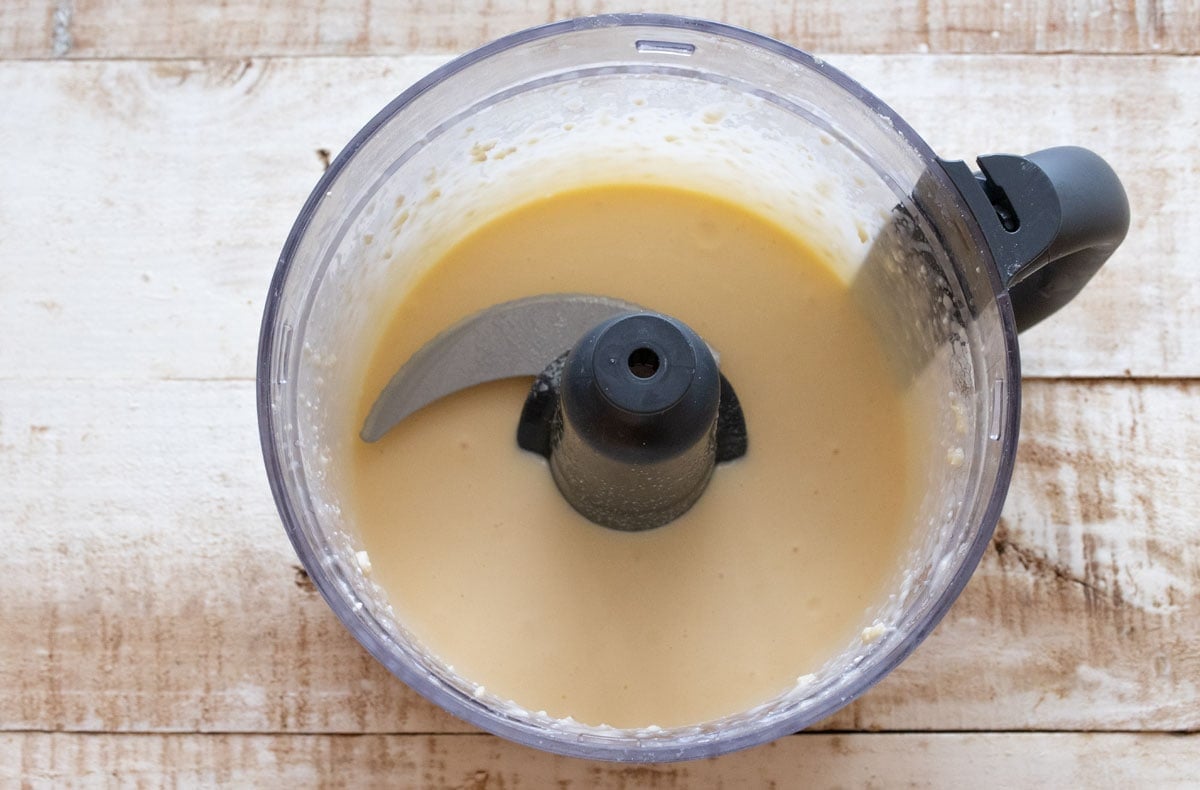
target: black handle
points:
(1051, 219)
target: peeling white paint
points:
(62, 40)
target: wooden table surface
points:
(155, 625)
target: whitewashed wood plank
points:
(144, 204)
(116, 29)
(1086, 605)
(478, 762)
(148, 585)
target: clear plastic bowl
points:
(787, 124)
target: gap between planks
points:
(1141, 379)
(811, 732)
(831, 55)
(342, 27)
(857, 760)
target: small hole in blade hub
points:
(643, 362)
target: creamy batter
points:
(771, 573)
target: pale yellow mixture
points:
(767, 576)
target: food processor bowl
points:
(660, 99)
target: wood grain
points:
(177, 28)
(153, 590)
(1085, 605)
(155, 626)
(168, 187)
(480, 762)
(151, 581)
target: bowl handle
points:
(1051, 219)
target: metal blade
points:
(517, 338)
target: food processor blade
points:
(516, 338)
